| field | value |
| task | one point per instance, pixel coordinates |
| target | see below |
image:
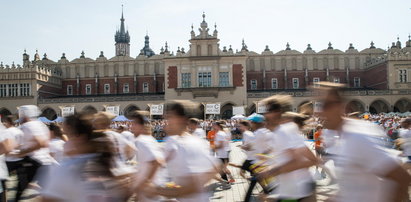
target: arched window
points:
(210, 50)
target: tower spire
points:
(122, 38)
(122, 18)
(122, 28)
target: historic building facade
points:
(379, 80)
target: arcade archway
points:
(402, 105)
(379, 106)
(130, 109)
(89, 110)
(354, 106)
(49, 113)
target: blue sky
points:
(57, 26)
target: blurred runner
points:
(195, 129)
(222, 148)
(150, 157)
(188, 158)
(292, 157)
(366, 172)
(123, 130)
(33, 149)
(87, 174)
(57, 141)
(124, 149)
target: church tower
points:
(122, 39)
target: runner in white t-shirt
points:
(86, 175)
(188, 159)
(258, 144)
(150, 157)
(247, 146)
(125, 150)
(16, 135)
(222, 148)
(123, 130)
(56, 145)
(7, 144)
(365, 172)
(292, 157)
(195, 129)
(405, 135)
(33, 148)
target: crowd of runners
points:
(89, 158)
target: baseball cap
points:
(256, 118)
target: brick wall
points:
(65, 84)
(376, 77)
(172, 77)
(48, 91)
(238, 75)
(101, 83)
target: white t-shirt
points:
(15, 134)
(248, 139)
(36, 129)
(56, 147)
(69, 183)
(120, 144)
(406, 146)
(262, 140)
(189, 155)
(359, 163)
(128, 135)
(148, 150)
(221, 137)
(296, 184)
(4, 173)
(199, 132)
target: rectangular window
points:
(126, 88)
(204, 79)
(336, 80)
(357, 82)
(24, 89)
(224, 79)
(186, 80)
(88, 89)
(106, 88)
(296, 83)
(3, 90)
(253, 84)
(145, 87)
(274, 83)
(315, 81)
(69, 90)
(403, 76)
(13, 90)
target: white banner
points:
(67, 111)
(238, 110)
(318, 107)
(212, 108)
(261, 108)
(157, 109)
(113, 109)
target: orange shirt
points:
(317, 139)
(210, 137)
